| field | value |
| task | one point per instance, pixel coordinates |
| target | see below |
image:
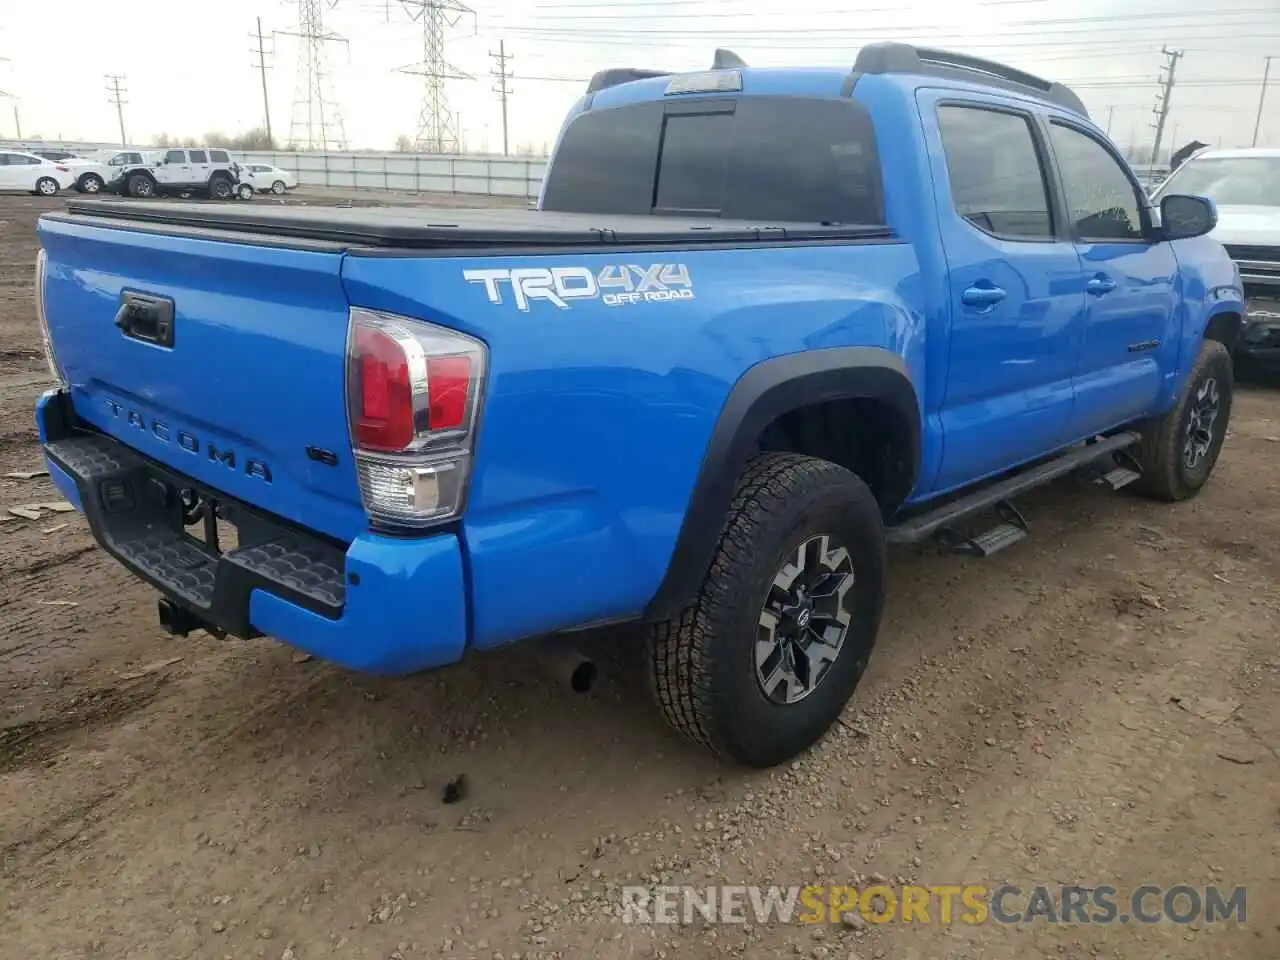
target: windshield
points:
(1229, 181)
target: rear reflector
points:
(413, 391)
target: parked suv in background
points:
(1245, 185)
(183, 170)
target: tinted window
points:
(757, 158)
(198, 156)
(175, 156)
(1101, 198)
(997, 183)
(22, 158)
(4, 159)
(693, 162)
(218, 156)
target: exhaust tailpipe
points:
(564, 664)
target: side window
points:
(116, 161)
(218, 156)
(198, 156)
(1101, 198)
(175, 156)
(4, 159)
(26, 159)
(997, 182)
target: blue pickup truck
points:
(763, 323)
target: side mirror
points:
(1184, 217)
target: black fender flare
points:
(765, 392)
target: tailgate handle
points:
(146, 318)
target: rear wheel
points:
(1179, 450)
(278, 187)
(220, 188)
(47, 187)
(140, 185)
(244, 191)
(90, 183)
(762, 663)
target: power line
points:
(115, 94)
(437, 128)
(502, 75)
(316, 121)
(262, 68)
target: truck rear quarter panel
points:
(596, 417)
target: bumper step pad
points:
(135, 510)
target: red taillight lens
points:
(448, 380)
(384, 415)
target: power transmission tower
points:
(502, 75)
(1262, 98)
(437, 128)
(1163, 97)
(316, 122)
(115, 94)
(261, 51)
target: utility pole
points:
(115, 94)
(261, 51)
(1262, 98)
(1163, 98)
(502, 75)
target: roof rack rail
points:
(722, 60)
(905, 58)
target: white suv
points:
(180, 171)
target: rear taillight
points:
(413, 392)
(62, 169)
(42, 319)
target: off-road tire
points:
(140, 185)
(1165, 473)
(221, 187)
(703, 662)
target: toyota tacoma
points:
(762, 324)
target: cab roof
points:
(621, 85)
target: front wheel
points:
(762, 663)
(220, 188)
(1179, 450)
(47, 187)
(90, 183)
(141, 186)
(244, 191)
(278, 187)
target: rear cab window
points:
(219, 156)
(762, 158)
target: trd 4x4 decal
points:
(615, 286)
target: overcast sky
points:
(189, 67)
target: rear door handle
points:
(982, 295)
(1100, 284)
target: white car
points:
(91, 174)
(28, 173)
(269, 179)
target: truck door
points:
(1130, 332)
(1015, 289)
(201, 168)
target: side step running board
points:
(921, 527)
(1005, 534)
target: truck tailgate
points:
(249, 397)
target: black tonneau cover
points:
(429, 228)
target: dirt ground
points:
(1097, 705)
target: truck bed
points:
(450, 229)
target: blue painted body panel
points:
(595, 418)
